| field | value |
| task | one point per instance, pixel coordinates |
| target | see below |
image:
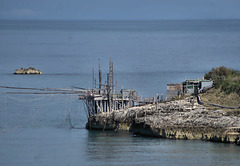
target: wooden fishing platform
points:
(104, 98)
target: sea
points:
(49, 129)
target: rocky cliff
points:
(182, 119)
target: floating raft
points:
(29, 70)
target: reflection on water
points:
(123, 148)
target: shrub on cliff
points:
(228, 80)
(231, 85)
(218, 74)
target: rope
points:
(55, 99)
(37, 104)
(41, 108)
(70, 104)
(68, 112)
(5, 112)
(36, 99)
(84, 107)
(66, 107)
(2, 114)
(27, 100)
(27, 120)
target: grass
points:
(226, 91)
(217, 96)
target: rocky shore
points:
(29, 70)
(181, 119)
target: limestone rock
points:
(175, 120)
(29, 70)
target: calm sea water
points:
(146, 54)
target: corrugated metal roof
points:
(197, 80)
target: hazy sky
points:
(119, 9)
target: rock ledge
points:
(29, 70)
(183, 119)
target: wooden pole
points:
(116, 87)
(112, 86)
(112, 79)
(108, 92)
(93, 78)
(100, 76)
(95, 83)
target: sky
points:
(119, 9)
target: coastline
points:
(179, 119)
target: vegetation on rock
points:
(225, 79)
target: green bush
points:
(226, 79)
(229, 87)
